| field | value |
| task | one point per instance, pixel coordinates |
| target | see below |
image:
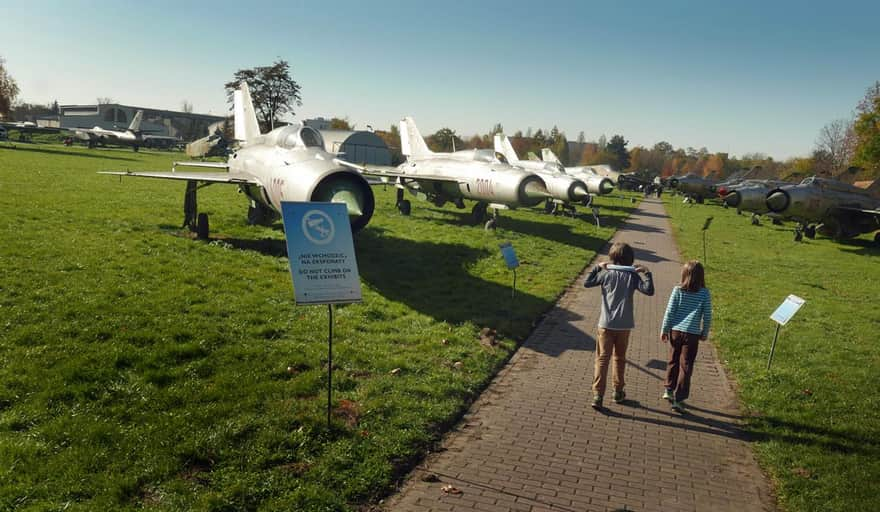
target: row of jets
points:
(132, 136)
(290, 163)
(818, 205)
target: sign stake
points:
(329, 361)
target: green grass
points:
(816, 415)
(141, 368)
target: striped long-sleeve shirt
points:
(686, 311)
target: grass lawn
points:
(816, 415)
(141, 368)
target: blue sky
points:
(731, 76)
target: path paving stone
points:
(532, 443)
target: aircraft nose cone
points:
(578, 193)
(536, 190)
(352, 202)
(777, 201)
(733, 199)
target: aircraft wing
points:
(388, 171)
(208, 177)
(860, 211)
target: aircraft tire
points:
(136, 148)
(777, 222)
(491, 224)
(798, 235)
(549, 207)
(700, 199)
(405, 207)
(478, 213)
(810, 232)
(877, 239)
(202, 228)
(755, 221)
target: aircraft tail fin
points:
(136, 121)
(412, 143)
(503, 146)
(246, 126)
(548, 156)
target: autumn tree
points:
(867, 130)
(273, 91)
(340, 124)
(836, 143)
(445, 140)
(8, 90)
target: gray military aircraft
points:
(828, 207)
(597, 183)
(695, 187)
(749, 196)
(286, 164)
(565, 189)
(475, 174)
(131, 136)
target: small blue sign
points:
(509, 255)
(320, 249)
(787, 309)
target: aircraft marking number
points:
(485, 187)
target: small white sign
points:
(787, 309)
(321, 253)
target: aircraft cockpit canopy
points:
(294, 136)
(501, 158)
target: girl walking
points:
(686, 322)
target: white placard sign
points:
(787, 309)
(321, 253)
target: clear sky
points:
(738, 77)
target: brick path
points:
(532, 442)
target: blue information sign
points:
(321, 253)
(787, 309)
(509, 255)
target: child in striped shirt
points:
(686, 322)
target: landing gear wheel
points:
(478, 212)
(404, 207)
(877, 239)
(798, 235)
(491, 224)
(549, 207)
(755, 221)
(699, 199)
(810, 232)
(587, 201)
(259, 215)
(202, 229)
(777, 222)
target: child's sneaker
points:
(597, 402)
(619, 396)
(667, 394)
(677, 406)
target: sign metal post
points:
(322, 260)
(781, 316)
(512, 263)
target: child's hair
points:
(693, 277)
(621, 254)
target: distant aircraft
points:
(475, 174)
(598, 184)
(286, 164)
(829, 207)
(132, 136)
(25, 129)
(565, 189)
(695, 187)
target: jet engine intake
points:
(351, 189)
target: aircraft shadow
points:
(432, 278)
(66, 153)
(552, 231)
(555, 335)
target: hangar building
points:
(185, 125)
(358, 147)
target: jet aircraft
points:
(695, 187)
(475, 174)
(286, 164)
(597, 183)
(565, 189)
(749, 196)
(829, 207)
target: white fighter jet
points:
(286, 164)
(599, 184)
(566, 189)
(475, 174)
(131, 136)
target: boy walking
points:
(619, 280)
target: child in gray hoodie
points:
(619, 280)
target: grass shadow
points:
(35, 149)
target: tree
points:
(186, 106)
(581, 138)
(8, 90)
(340, 124)
(617, 149)
(836, 143)
(867, 130)
(105, 100)
(273, 91)
(445, 140)
(663, 147)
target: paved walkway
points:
(532, 442)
